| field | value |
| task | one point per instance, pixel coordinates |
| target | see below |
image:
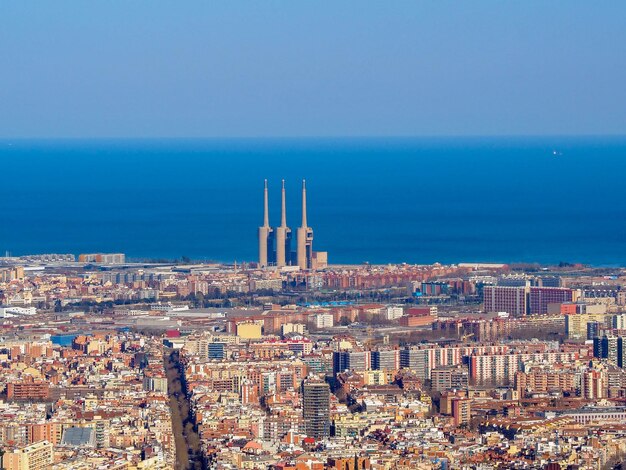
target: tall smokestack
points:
(305, 237)
(283, 212)
(266, 215)
(304, 204)
(283, 239)
(264, 231)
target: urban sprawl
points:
(118, 365)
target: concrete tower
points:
(283, 235)
(305, 236)
(265, 241)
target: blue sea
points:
(547, 199)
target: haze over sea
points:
(376, 200)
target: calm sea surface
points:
(376, 200)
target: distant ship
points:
(556, 153)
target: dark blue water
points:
(376, 200)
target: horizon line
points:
(316, 137)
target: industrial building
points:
(275, 242)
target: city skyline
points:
(164, 364)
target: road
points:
(189, 455)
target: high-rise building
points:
(593, 384)
(501, 368)
(386, 359)
(449, 378)
(351, 360)
(216, 350)
(540, 297)
(521, 300)
(621, 351)
(619, 321)
(505, 299)
(611, 348)
(305, 237)
(594, 328)
(461, 410)
(316, 407)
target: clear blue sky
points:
(149, 68)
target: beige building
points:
(37, 456)
(323, 320)
(287, 328)
(377, 377)
(249, 330)
(576, 324)
(320, 259)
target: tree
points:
(199, 301)
(344, 321)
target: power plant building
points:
(275, 242)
